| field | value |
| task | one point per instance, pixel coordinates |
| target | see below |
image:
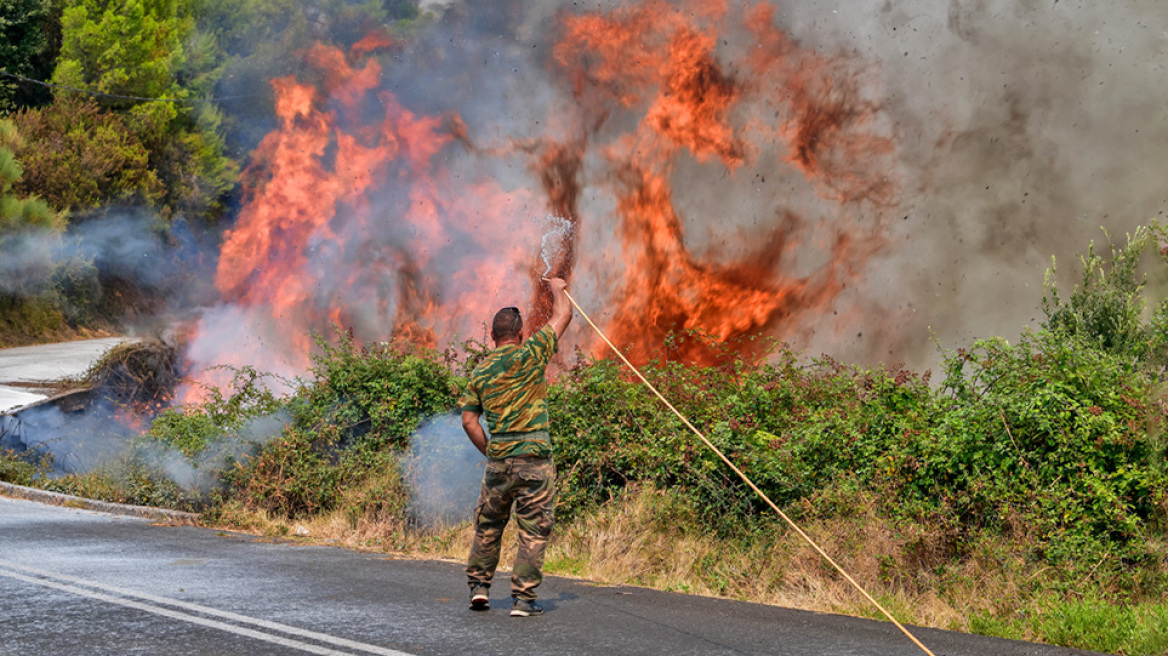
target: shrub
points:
(1052, 428)
(384, 390)
(363, 404)
(221, 414)
(79, 157)
(19, 471)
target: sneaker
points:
(480, 598)
(525, 608)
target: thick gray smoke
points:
(75, 442)
(1021, 129)
(444, 472)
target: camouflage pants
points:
(528, 483)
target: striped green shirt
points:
(510, 388)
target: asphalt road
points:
(29, 365)
(82, 582)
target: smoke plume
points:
(444, 471)
(102, 436)
(853, 180)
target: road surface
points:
(76, 581)
(30, 365)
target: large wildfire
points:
(865, 180)
(394, 222)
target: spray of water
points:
(557, 233)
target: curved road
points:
(82, 582)
(24, 369)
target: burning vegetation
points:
(705, 179)
(363, 213)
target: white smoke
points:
(97, 439)
(444, 472)
(76, 442)
(202, 474)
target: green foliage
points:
(29, 39)
(19, 471)
(362, 406)
(218, 416)
(796, 431)
(152, 49)
(294, 475)
(124, 47)
(1100, 625)
(17, 213)
(25, 319)
(1052, 432)
(1106, 308)
(79, 157)
(1050, 436)
(27, 304)
(997, 627)
(382, 391)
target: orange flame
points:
(313, 213)
(663, 61)
(369, 224)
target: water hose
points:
(746, 478)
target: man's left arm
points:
(474, 430)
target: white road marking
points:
(194, 619)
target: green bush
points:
(383, 390)
(794, 430)
(1054, 437)
(19, 471)
(220, 415)
(1059, 422)
(362, 405)
(78, 157)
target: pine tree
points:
(19, 213)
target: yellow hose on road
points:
(746, 478)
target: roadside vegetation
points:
(1024, 494)
(131, 121)
(1020, 491)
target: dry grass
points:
(637, 540)
(19, 334)
(905, 567)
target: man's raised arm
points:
(561, 307)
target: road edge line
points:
(70, 501)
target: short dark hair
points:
(506, 324)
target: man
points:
(510, 386)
